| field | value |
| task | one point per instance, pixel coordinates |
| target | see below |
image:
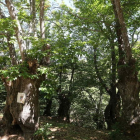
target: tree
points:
(24, 75)
(96, 25)
(128, 83)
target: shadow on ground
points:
(55, 129)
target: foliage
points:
(116, 133)
(84, 109)
(62, 130)
(73, 34)
(43, 132)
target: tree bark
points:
(128, 83)
(42, 25)
(64, 107)
(33, 14)
(47, 111)
(65, 97)
(18, 29)
(11, 51)
(23, 115)
(113, 108)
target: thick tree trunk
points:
(129, 88)
(25, 116)
(128, 83)
(64, 107)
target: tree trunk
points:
(64, 107)
(47, 111)
(18, 29)
(112, 110)
(97, 118)
(21, 115)
(128, 83)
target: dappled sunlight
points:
(66, 131)
(4, 138)
(12, 137)
(54, 129)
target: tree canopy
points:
(85, 57)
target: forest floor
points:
(60, 130)
(54, 129)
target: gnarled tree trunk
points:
(18, 115)
(23, 116)
(128, 83)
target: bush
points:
(116, 133)
(43, 132)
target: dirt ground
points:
(53, 129)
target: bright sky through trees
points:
(67, 2)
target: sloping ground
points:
(60, 130)
(55, 129)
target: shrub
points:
(116, 133)
(43, 132)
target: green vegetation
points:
(77, 65)
(56, 129)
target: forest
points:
(69, 69)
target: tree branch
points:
(42, 27)
(119, 15)
(98, 74)
(11, 51)
(3, 3)
(2, 14)
(18, 29)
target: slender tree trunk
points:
(47, 111)
(18, 29)
(64, 99)
(98, 117)
(112, 109)
(33, 14)
(64, 107)
(12, 51)
(64, 102)
(42, 25)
